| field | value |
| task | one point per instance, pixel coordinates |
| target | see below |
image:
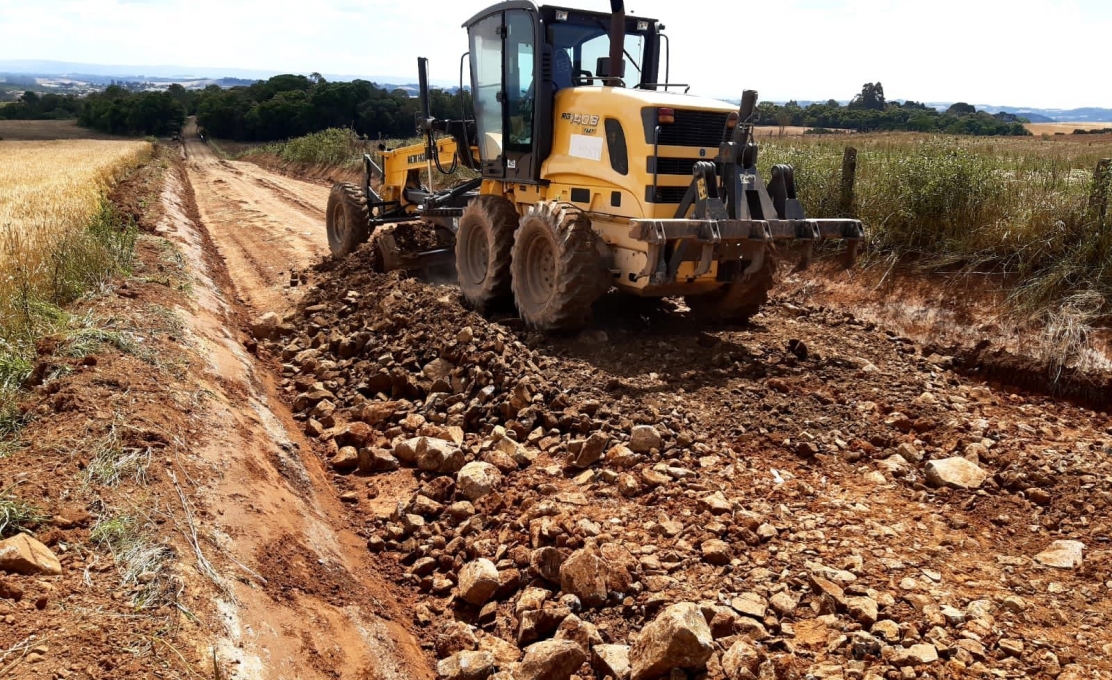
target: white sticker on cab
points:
(583, 146)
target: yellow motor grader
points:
(593, 173)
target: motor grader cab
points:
(593, 173)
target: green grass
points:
(78, 264)
(338, 147)
(334, 146)
(16, 515)
(1014, 206)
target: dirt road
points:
(264, 225)
(307, 601)
(833, 496)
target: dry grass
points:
(1067, 128)
(41, 130)
(59, 237)
(1015, 206)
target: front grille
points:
(672, 166)
(665, 194)
(694, 128)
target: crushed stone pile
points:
(810, 498)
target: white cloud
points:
(1049, 53)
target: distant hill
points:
(1036, 115)
(100, 75)
(103, 73)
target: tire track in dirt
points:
(296, 595)
(264, 225)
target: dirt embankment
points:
(834, 500)
(319, 173)
(971, 318)
(194, 537)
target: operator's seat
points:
(561, 70)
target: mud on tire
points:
(738, 300)
(348, 219)
(484, 242)
(557, 270)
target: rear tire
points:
(738, 300)
(348, 219)
(484, 242)
(557, 270)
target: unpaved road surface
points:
(830, 499)
(265, 226)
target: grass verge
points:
(31, 301)
(17, 515)
(1019, 207)
(140, 560)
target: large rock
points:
(584, 574)
(406, 450)
(863, 609)
(346, 459)
(477, 479)
(644, 438)
(611, 661)
(22, 554)
(438, 455)
(590, 451)
(455, 637)
(741, 661)
(551, 660)
(956, 472)
(477, 581)
(546, 562)
(466, 666)
(678, 638)
(716, 552)
(378, 412)
(915, 655)
(505, 653)
(1062, 554)
(265, 326)
(577, 630)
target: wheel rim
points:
(539, 275)
(339, 224)
(476, 256)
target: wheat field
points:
(52, 202)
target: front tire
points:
(347, 219)
(484, 242)
(738, 300)
(556, 267)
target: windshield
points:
(585, 44)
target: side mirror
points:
(602, 69)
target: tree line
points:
(116, 110)
(33, 106)
(122, 112)
(294, 105)
(869, 111)
(287, 106)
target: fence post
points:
(1098, 197)
(846, 207)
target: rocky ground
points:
(812, 495)
(807, 496)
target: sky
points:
(1045, 53)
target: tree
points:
(121, 112)
(961, 109)
(871, 98)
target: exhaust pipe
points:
(617, 41)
